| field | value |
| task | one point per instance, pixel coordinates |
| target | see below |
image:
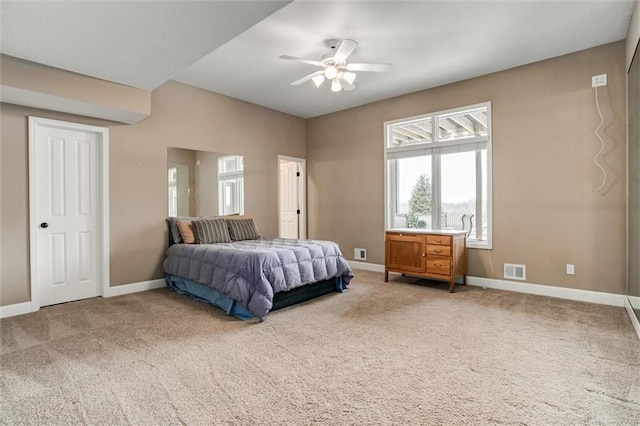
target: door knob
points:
(44, 225)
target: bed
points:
(230, 266)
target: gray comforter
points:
(251, 271)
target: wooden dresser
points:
(440, 255)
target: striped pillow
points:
(242, 229)
(211, 231)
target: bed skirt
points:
(283, 299)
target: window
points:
(438, 169)
(230, 184)
(173, 191)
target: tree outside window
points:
(420, 202)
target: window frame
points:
(237, 177)
(435, 148)
(172, 189)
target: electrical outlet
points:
(571, 269)
(599, 80)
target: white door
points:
(290, 203)
(66, 211)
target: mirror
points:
(633, 286)
(201, 183)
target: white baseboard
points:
(120, 290)
(374, 267)
(541, 290)
(551, 291)
(15, 309)
(26, 308)
(538, 289)
(632, 314)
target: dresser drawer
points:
(439, 250)
(439, 266)
(439, 240)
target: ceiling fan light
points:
(349, 77)
(318, 80)
(335, 85)
(331, 71)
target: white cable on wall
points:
(595, 159)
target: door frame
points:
(35, 124)
(302, 193)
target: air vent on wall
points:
(359, 254)
(515, 272)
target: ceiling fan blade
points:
(346, 86)
(369, 67)
(345, 49)
(307, 78)
(303, 60)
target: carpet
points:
(406, 352)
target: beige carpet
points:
(380, 354)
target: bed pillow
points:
(211, 231)
(242, 229)
(174, 232)
(187, 231)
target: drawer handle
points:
(437, 251)
(437, 241)
(423, 255)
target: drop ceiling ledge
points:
(37, 86)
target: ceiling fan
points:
(335, 67)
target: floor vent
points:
(515, 272)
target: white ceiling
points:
(139, 44)
(228, 48)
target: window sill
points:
(481, 245)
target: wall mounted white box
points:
(599, 80)
(359, 254)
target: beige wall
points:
(182, 116)
(545, 211)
